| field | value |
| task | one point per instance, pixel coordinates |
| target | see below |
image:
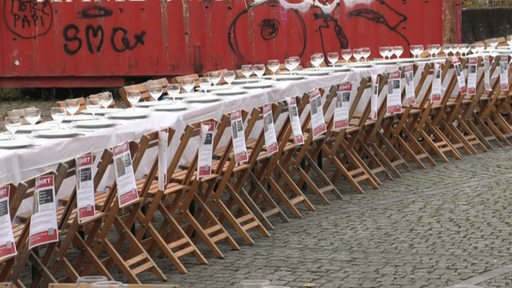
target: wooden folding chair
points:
(143, 89)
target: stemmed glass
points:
(464, 49)
(346, 54)
(509, 40)
(398, 50)
(204, 83)
(214, 77)
(358, 53)
(133, 97)
(366, 53)
(72, 106)
(477, 47)
(333, 57)
(87, 281)
(32, 115)
(188, 84)
(173, 90)
(12, 123)
(247, 71)
(288, 64)
(295, 60)
(105, 99)
(58, 114)
(93, 104)
(229, 76)
(433, 49)
(273, 65)
(416, 50)
(259, 70)
(491, 44)
(155, 90)
(317, 59)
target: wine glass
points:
(433, 49)
(173, 90)
(464, 49)
(273, 65)
(229, 76)
(398, 50)
(105, 99)
(295, 60)
(93, 104)
(214, 77)
(58, 114)
(72, 106)
(87, 281)
(155, 90)
(247, 71)
(333, 57)
(12, 123)
(366, 53)
(188, 84)
(316, 59)
(288, 64)
(346, 54)
(477, 47)
(491, 44)
(133, 97)
(357, 53)
(416, 50)
(509, 40)
(32, 115)
(259, 70)
(204, 83)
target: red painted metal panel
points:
(57, 41)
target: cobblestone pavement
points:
(436, 227)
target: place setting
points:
(9, 141)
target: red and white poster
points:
(394, 99)
(472, 75)
(163, 147)
(317, 113)
(125, 176)
(436, 92)
(459, 72)
(7, 245)
(85, 186)
(504, 73)
(410, 94)
(374, 100)
(293, 112)
(238, 137)
(43, 221)
(487, 73)
(204, 165)
(342, 105)
(269, 129)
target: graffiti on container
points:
(28, 19)
(94, 35)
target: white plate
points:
(230, 92)
(202, 99)
(98, 123)
(55, 133)
(244, 81)
(284, 77)
(152, 103)
(5, 136)
(78, 117)
(171, 107)
(359, 65)
(129, 114)
(37, 127)
(262, 84)
(313, 72)
(17, 143)
(102, 111)
(186, 95)
(213, 88)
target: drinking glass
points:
(509, 40)
(398, 50)
(247, 71)
(204, 83)
(346, 54)
(133, 97)
(107, 284)
(58, 114)
(358, 53)
(491, 44)
(12, 123)
(433, 49)
(366, 53)
(173, 90)
(288, 64)
(229, 76)
(93, 105)
(449, 48)
(255, 283)
(273, 65)
(259, 70)
(317, 59)
(416, 50)
(214, 77)
(188, 84)
(295, 60)
(155, 90)
(333, 57)
(477, 47)
(32, 115)
(105, 99)
(464, 49)
(72, 106)
(87, 281)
